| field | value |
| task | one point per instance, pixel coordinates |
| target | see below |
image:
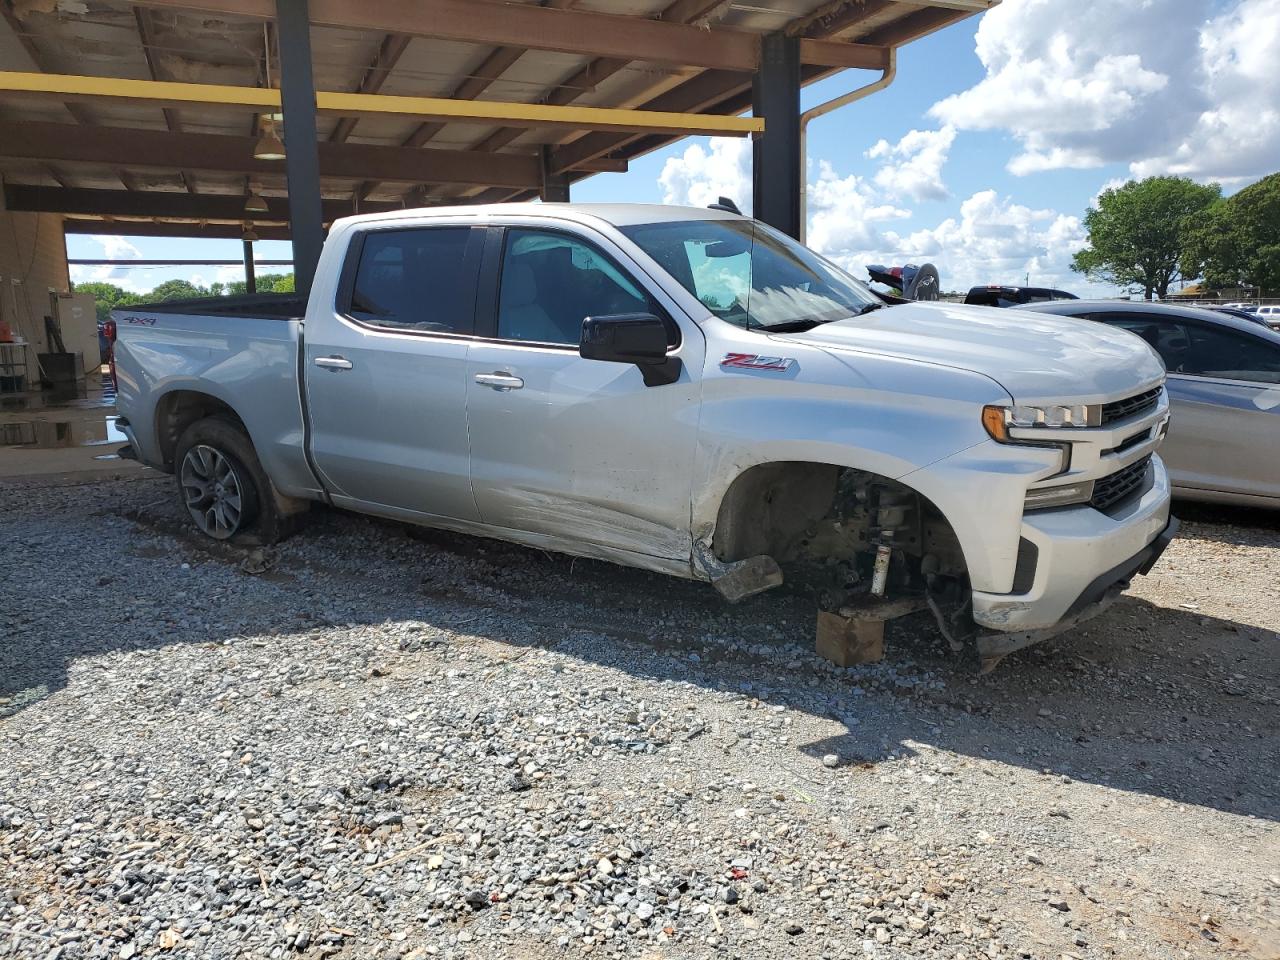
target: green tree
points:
(105, 296)
(1238, 239)
(1138, 232)
(265, 283)
(176, 290)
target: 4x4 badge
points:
(750, 361)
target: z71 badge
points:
(750, 361)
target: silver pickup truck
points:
(682, 390)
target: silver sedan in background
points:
(1224, 391)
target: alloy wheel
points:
(212, 491)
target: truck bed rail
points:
(268, 306)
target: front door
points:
(572, 448)
(386, 377)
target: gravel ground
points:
(376, 742)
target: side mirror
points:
(638, 338)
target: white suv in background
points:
(1271, 314)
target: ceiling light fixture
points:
(269, 146)
(254, 203)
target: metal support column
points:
(302, 159)
(555, 186)
(776, 166)
(250, 281)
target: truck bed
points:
(240, 351)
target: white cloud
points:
(844, 213)
(854, 220)
(700, 176)
(1238, 137)
(1162, 85)
(914, 164)
(993, 240)
(113, 248)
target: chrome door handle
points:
(499, 380)
(334, 363)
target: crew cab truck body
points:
(681, 390)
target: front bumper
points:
(1082, 555)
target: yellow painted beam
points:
(266, 100)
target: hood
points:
(1036, 357)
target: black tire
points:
(223, 488)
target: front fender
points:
(917, 423)
(880, 414)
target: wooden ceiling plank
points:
(375, 75)
(146, 34)
(551, 27)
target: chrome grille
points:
(1130, 406)
(1110, 490)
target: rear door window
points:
(421, 280)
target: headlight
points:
(998, 420)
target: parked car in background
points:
(1246, 307)
(682, 390)
(1241, 314)
(1224, 390)
(1270, 315)
(998, 296)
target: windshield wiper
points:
(868, 308)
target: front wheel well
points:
(823, 523)
(179, 409)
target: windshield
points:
(749, 274)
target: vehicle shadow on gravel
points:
(1242, 526)
(1145, 698)
(1152, 699)
(1157, 700)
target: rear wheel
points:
(217, 491)
(224, 489)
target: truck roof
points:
(617, 214)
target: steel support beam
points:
(250, 281)
(265, 100)
(555, 186)
(302, 159)
(150, 228)
(777, 178)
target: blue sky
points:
(987, 150)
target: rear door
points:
(1224, 390)
(386, 375)
(572, 448)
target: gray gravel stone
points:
(390, 746)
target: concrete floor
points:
(62, 432)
